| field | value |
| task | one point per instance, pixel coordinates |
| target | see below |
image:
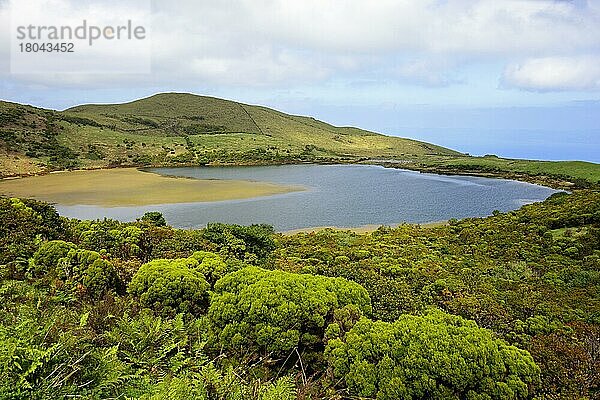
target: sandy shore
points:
(132, 187)
(358, 229)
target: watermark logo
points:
(69, 36)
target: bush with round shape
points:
(210, 265)
(171, 286)
(154, 218)
(24, 224)
(89, 269)
(437, 356)
(47, 257)
(74, 267)
(277, 311)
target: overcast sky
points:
(476, 75)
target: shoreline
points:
(123, 187)
(553, 182)
(362, 229)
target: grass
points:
(131, 187)
(580, 170)
(569, 232)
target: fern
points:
(283, 388)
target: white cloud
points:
(245, 41)
(281, 43)
(484, 26)
(555, 73)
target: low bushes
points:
(276, 311)
(437, 356)
(171, 286)
(84, 271)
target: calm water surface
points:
(336, 195)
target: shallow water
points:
(337, 195)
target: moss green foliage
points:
(47, 257)
(276, 311)
(244, 242)
(229, 312)
(211, 266)
(171, 286)
(118, 241)
(437, 356)
(25, 223)
(154, 218)
(84, 271)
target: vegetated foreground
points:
(504, 307)
(130, 187)
(171, 129)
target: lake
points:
(335, 195)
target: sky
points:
(517, 78)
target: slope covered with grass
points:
(176, 128)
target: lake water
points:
(336, 195)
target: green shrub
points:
(126, 241)
(89, 269)
(24, 224)
(166, 242)
(171, 286)
(46, 258)
(75, 267)
(99, 277)
(254, 241)
(154, 218)
(437, 356)
(276, 311)
(118, 239)
(210, 265)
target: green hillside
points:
(186, 129)
(177, 129)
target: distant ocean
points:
(569, 131)
(579, 144)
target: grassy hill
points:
(186, 129)
(175, 128)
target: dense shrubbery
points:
(84, 271)
(171, 286)
(529, 275)
(202, 320)
(211, 266)
(276, 311)
(25, 223)
(243, 242)
(166, 242)
(47, 257)
(437, 356)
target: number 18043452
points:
(47, 47)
